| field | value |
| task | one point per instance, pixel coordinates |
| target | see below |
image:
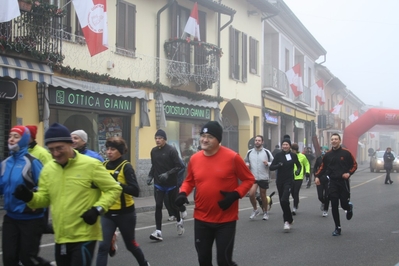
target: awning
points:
(167, 97)
(24, 70)
(213, 5)
(98, 88)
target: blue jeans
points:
(126, 223)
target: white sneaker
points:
(265, 216)
(293, 211)
(180, 227)
(287, 226)
(183, 214)
(325, 214)
(172, 218)
(157, 235)
(254, 213)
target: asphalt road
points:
(370, 238)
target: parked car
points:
(377, 162)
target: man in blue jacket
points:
(79, 139)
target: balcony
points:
(330, 119)
(275, 81)
(192, 61)
(33, 35)
(304, 99)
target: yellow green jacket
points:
(70, 191)
(305, 166)
(41, 153)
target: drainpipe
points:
(325, 59)
(159, 37)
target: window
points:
(126, 29)
(238, 55)
(180, 16)
(253, 55)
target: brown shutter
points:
(244, 57)
(173, 25)
(131, 28)
(121, 26)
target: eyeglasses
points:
(57, 149)
(207, 136)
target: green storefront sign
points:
(87, 100)
(186, 111)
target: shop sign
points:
(87, 100)
(272, 119)
(185, 111)
(8, 90)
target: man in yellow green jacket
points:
(79, 189)
(298, 179)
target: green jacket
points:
(70, 191)
(41, 153)
(305, 166)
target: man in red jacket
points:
(215, 172)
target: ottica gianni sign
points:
(185, 111)
(87, 100)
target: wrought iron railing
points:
(305, 97)
(192, 61)
(275, 79)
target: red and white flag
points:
(353, 117)
(92, 16)
(372, 135)
(192, 25)
(294, 78)
(335, 110)
(9, 10)
(318, 89)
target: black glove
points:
(181, 199)
(90, 216)
(21, 192)
(307, 175)
(297, 172)
(280, 164)
(149, 180)
(163, 177)
(229, 198)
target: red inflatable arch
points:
(364, 123)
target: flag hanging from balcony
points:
(294, 78)
(318, 89)
(9, 10)
(353, 117)
(192, 25)
(372, 135)
(92, 16)
(335, 110)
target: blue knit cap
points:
(57, 133)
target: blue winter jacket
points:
(14, 170)
(93, 154)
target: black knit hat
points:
(161, 133)
(213, 128)
(117, 143)
(57, 133)
(287, 139)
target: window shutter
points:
(244, 57)
(173, 29)
(231, 52)
(131, 28)
(121, 27)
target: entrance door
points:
(230, 134)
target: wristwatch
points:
(100, 210)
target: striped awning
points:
(24, 70)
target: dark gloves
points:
(163, 177)
(149, 180)
(229, 198)
(90, 216)
(297, 172)
(181, 199)
(307, 175)
(21, 192)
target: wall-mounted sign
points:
(87, 100)
(8, 90)
(186, 111)
(271, 119)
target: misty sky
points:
(361, 38)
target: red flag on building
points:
(372, 135)
(92, 16)
(192, 25)
(318, 89)
(335, 110)
(294, 78)
(353, 117)
(9, 10)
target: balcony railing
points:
(305, 98)
(330, 118)
(275, 80)
(33, 35)
(192, 61)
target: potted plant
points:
(25, 5)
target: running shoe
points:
(325, 214)
(287, 226)
(172, 218)
(349, 212)
(183, 214)
(337, 231)
(293, 211)
(254, 214)
(180, 227)
(265, 216)
(157, 235)
(114, 247)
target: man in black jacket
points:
(338, 165)
(388, 164)
(165, 167)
